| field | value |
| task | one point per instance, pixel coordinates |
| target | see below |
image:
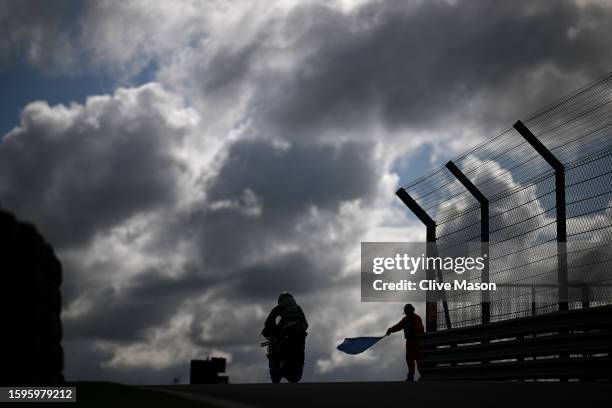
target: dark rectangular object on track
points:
(207, 371)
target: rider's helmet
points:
(284, 297)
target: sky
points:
(189, 160)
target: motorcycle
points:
(285, 357)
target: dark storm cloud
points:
(416, 66)
(36, 30)
(78, 171)
(84, 362)
(286, 184)
(289, 180)
(227, 68)
(296, 273)
(237, 326)
(148, 301)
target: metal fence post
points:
(586, 295)
(431, 318)
(559, 207)
(484, 234)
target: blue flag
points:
(356, 345)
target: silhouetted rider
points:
(285, 329)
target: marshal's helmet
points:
(408, 308)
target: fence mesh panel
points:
(520, 187)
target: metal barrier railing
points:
(573, 344)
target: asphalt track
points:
(397, 394)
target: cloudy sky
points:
(189, 160)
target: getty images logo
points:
(411, 264)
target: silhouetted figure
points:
(31, 351)
(413, 327)
(286, 339)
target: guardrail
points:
(575, 344)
